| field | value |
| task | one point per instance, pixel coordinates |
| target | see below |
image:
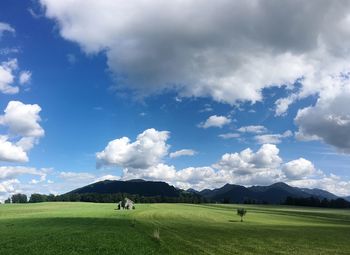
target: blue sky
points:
(214, 88)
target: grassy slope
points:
(85, 228)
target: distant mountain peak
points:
(281, 184)
(192, 191)
(136, 180)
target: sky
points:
(196, 93)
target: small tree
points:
(241, 212)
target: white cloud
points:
(148, 150)
(143, 159)
(247, 161)
(229, 135)
(283, 104)
(215, 121)
(253, 129)
(155, 172)
(184, 152)
(10, 177)
(22, 119)
(10, 172)
(40, 180)
(331, 183)
(25, 77)
(11, 152)
(9, 68)
(107, 177)
(76, 176)
(272, 138)
(14, 179)
(22, 122)
(263, 167)
(7, 187)
(230, 51)
(4, 27)
(246, 167)
(7, 77)
(298, 169)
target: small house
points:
(127, 204)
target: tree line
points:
(183, 198)
(317, 202)
(105, 198)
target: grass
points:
(87, 228)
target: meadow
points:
(91, 228)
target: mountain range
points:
(229, 193)
(272, 194)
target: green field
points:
(87, 228)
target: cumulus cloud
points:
(272, 138)
(22, 119)
(155, 172)
(24, 131)
(246, 167)
(253, 129)
(215, 121)
(230, 51)
(247, 161)
(298, 169)
(148, 150)
(184, 152)
(143, 159)
(11, 152)
(328, 120)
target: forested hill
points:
(137, 187)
